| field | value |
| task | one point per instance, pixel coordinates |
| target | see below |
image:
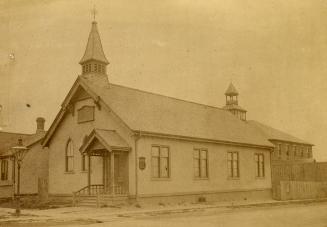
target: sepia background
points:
(275, 53)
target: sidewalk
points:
(128, 211)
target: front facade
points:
(110, 139)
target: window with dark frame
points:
(288, 151)
(309, 152)
(296, 152)
(84, 163)
(280, 150)
(200, 160)
(85, 114)
(160, 161)
(4, 169)
(233, 164)
(260, 165)
(69, 156)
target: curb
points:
(193, 209)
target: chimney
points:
(40, 124)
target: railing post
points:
(112, 165)
(74, 199)
(89, 175)
(98, 200)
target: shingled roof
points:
(231, 90)
(275, 134)
(148, 112)
(94, 49)
(10, 139)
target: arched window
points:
(70, 156)
(84, 162)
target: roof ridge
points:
(17, 133)
(110, 130)
(169, 97)
(279, 131)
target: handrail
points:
(97, 189)
(91, 189)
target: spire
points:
(94, 51)
(231, 90)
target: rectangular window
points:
(84, 163)
(260, 165)
(279, 150)
(296, 153)
(85, 114)
(160, 162)
(200, 160)
(4, 170)
(309, 150)
(233, 164)
(288, 151)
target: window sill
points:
(233, 178)
(200, 178)
(260, 178)
(161, 179)
(69, 172)
(6, 183)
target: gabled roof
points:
(153, 113)
(231, 90)
(34, 138)
(275, 134)
(108, 138)
(94, 49)
(10, 139)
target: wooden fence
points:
(299, 180)
(313, 171)
(292, 190)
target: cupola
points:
(232, 103)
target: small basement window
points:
(85, 114)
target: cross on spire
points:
(94, 12)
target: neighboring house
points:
(288, 149)
(34, 165)
(117, 140)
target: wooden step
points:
(104, 200)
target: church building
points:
(122, 142)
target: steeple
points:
(94, 59)
(232, 103)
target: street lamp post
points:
(19, 153)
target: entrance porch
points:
(113, 150)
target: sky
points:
(274, 52)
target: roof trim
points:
(288, 141)
(196, 139)
(95, 135)
(78, 82)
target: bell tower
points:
(94, 60)
(232, 103)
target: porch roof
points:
(108, 139)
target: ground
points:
(270, 215)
